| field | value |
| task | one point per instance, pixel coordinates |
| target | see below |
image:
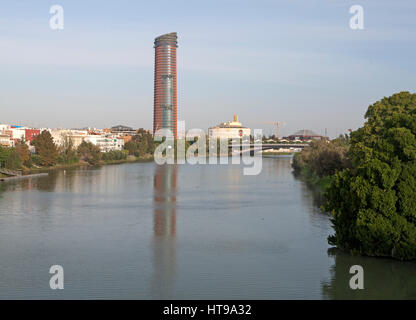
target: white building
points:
(4, 127)
(18, 133)
(106, 143)
(229, 130)
(60, 135)
(6, 140)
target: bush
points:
(28, 163)
(35, 159)
(115, 155)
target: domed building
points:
(229, 130)
(304, 135)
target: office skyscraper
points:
(165, 115)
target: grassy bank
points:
(308, 175)
(277, 153)
(129, 159)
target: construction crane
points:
(278, 125)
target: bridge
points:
(284, 145)
(267, 146)
(274, 146)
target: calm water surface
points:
(142, 231)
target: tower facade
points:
(165, 114)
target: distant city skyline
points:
(292, 61)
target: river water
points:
(143, 231)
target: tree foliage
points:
(89, 153)
(323, 158)
(46, 149)
(114, 155)
(373, 203)
(4, 155)
(13, 162)
(145, 144)
(67, 152)
(23, 150)
(131, 147)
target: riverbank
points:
(21, 177)
(129, 159)
(307, 175)
(277, 153)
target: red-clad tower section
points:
(165, 114)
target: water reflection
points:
(314, 192)
(383, 278)
(164, 242)
(125, 232)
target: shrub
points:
(114, 155)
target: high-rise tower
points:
(165, 115)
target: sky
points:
(294, 61)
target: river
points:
(143, 231)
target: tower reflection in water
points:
(164, 251)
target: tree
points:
(143, 147)
(323, 158)
(373, 202)
(23, 151)
(14, 161)
(4, 155)
(67, 153)
(46, 149)
(144, 143)
(131, 147)
(89, 153)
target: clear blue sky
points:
(294, 61)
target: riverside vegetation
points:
(48, 155)
(369, 180)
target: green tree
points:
(46, 149)
(373, 202)
(14, 161)
(67, 152)
(23, 150)
(89, 153)
(323, 158)
(144, 142)
(131, 147)
(4, 155)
